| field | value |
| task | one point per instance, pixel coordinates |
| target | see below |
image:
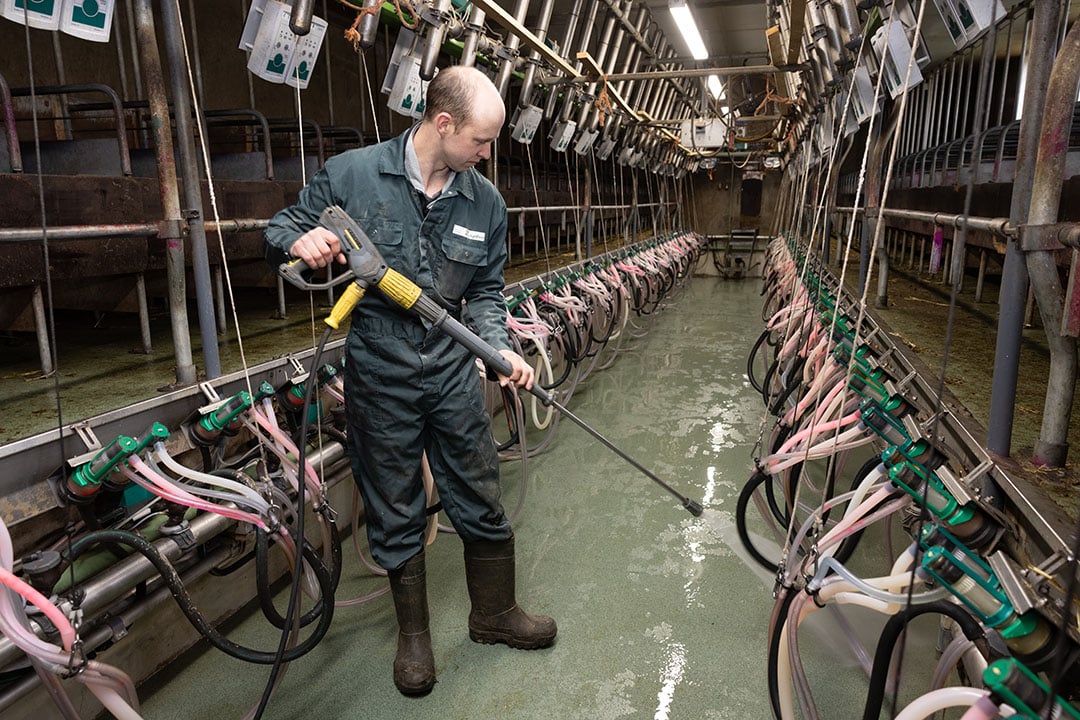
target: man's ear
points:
(444, 123)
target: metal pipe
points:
(10, 129)
(586, 35)
(435, 34)
(370, 23)
(601, 57)
(473, 27)
(999, 227)
(300, 20)
(114, 101)
(568, 38)
(41, 328)
(510, 49)
(1014, 279)
(144, 315)
(193, 31)
(1053, 445)
(524, 99)
(172, 225)
(189, 171)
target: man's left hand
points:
(522, 375)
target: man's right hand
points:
(317, 247)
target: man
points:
(409, 388)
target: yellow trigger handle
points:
(345, 304)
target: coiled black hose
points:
(753, 358)
(741, 508)
(183, 599)
(895, 625)
(262, 576)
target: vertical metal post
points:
(189, 171)
(193, 32)
(219, 294)
(172, 224)
(1014, 279)
(982, 276)
(922, 253)
(41, 328)
(144, 315)
(61, 79)
(1056, 306)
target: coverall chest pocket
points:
(386, 234)
(463, 256)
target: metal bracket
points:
(119, 629)
(211, 394)
(301, 373)
(1014, 586)
(1058, 236)
(86, 434)
(956, 487)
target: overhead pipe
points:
(300, 19)
(568, 38)
(473, 29)
(534, 57)
(510, 50)
(1041, 47)
(848, 13)
(435, 34)
(172, 219)
(1052, 448)
(189, 172)
(612, 59)
(583, 46)
(369, 23)
(630, 65)
(600, 57)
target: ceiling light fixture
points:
(684, 20)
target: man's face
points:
(466, 145)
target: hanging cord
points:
(53, 354)
(539, 212)
(371, 97)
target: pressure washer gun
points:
(370, 270)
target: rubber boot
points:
(495, 616)
(414, 665)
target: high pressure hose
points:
(191, 612)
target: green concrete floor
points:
(660, 614)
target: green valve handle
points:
(221, 418)
(105, 462)
(156, 432)
(1022, 689)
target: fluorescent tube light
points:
(715, 87)
(684, 20)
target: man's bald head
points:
(463, 93)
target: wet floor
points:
(660, 615)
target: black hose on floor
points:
(896, 624)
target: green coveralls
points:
(408, 387)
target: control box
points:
(711, 133)
(561, 135)
(524, 123)
(40, 14)
(894, 51)
(585, 141)
(277, 55)
(88, 19)
(305, 52)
